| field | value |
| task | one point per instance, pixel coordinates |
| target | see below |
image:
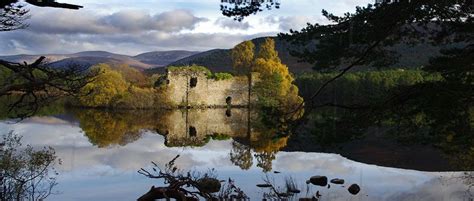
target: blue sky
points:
(133, 27)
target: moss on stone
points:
(192, 68)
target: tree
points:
(243, 57)
(31, 86)
(13, 14)
(12, 17)
(267, 51)
(108, 86)
(363, 38)
(241, 155)
(276, 88)
(189, 185)
(25, 173)
(241, 9)
(437, 111)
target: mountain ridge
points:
(141, 61)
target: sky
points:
(134, 27)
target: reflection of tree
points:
(264, 160)
(104, 128)
(334, 125)
(25, 174)
(266, 146)
(241, 155)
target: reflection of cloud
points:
(77, 154)
(298, 161)
(88, 171)
(436, 189)
(48, 120)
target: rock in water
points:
(264, 185)
(209, 185)
(337, 181)
(319, 180)
(354, 189)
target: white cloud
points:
(127, 21)
(141, 26)
(232, 24)
(296, 22)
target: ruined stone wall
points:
(194, 127)
(194, 89)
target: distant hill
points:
(163, 58)
(90, 58)
(219, 60)
(87, 61)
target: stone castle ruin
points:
(188, 87)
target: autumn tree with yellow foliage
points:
(275, 88)
(105, 88)
(243, 57)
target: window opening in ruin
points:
(228, 100)
(193, 82)
(228, 113)
(192, 131)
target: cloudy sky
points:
(133, 27)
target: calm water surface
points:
(101, 153)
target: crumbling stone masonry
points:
(188, 88)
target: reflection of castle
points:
(193, 88)
(196, 127)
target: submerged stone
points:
(209, 185)
(337, 181)
(354, 189)
(319, 180)
(264, 185)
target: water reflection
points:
(253, 132)
(182, 128)
(101, 152)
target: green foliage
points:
(192, 68)
(221, 76)
(111, 90)
(157, 80)
(138, 98)
(219, 136)
(5, 74)
(53, 108)
(27, 174)
(105, 89)
(369, 32)
(360, 88)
